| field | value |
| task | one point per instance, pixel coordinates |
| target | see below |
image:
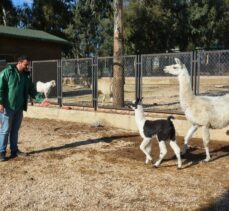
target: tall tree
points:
(90, 30)
(118, 70)
(25, 16)
(148, 27)
(206, 20)
(176, 13)
(223, 29)
(8, 15)
(49, 15)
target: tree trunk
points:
(118, 71)
(4, 16)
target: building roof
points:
(30, 34)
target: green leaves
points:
(150, 26)
(8, 15)
(92, 28)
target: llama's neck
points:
(139, 116)
(186, 94)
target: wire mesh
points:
(213, 72)
(159, 89)
(77, 82)
(144, 76)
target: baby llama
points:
(207, 112)
(163, 130)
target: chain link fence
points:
(158, 89)
(88, 81)
(213, 72)
(77, 81)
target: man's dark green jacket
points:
(15, 88)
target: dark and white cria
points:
(163, 130)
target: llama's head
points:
(175, 69)
(137, 104)
(53, 83)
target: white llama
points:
(105, 88)
(45, 87)
(162, 129)
(207, 112)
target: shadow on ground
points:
(86, 142)
(221, 203)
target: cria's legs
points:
(148, 149)
(143, 146)
(176, 150)
(191, 131)
(163, 152)
(206, 139)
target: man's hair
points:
(23, 57)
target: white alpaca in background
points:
(162, 129)
(207, 112)
(45, 87)
(105, 88)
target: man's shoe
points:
(18, 153)
(2, 156)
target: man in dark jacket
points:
(15, 87)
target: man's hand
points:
(45, 102)
(1, 108)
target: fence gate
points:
(160, 90)
(45, 71)
(212, 72)
(77, 83)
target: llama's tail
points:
(170, 117)
(227, 132)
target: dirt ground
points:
(82, 167)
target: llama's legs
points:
(144, 144)
(148, 149)
(111, 99)
(46, 95)
(191, 131)
(163, 152)
(176, 150)
(206, 139)
(103, 99)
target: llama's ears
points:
(139, 100)
(178, 61)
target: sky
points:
(20, 2)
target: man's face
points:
(23, 65)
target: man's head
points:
(22, 63)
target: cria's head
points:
(135, 104)
(175, 69)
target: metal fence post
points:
(199, 57)
(59, 82)
(138, 82)
(193, 72)
(94, 82)
(31, 74)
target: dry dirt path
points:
(79, 167)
